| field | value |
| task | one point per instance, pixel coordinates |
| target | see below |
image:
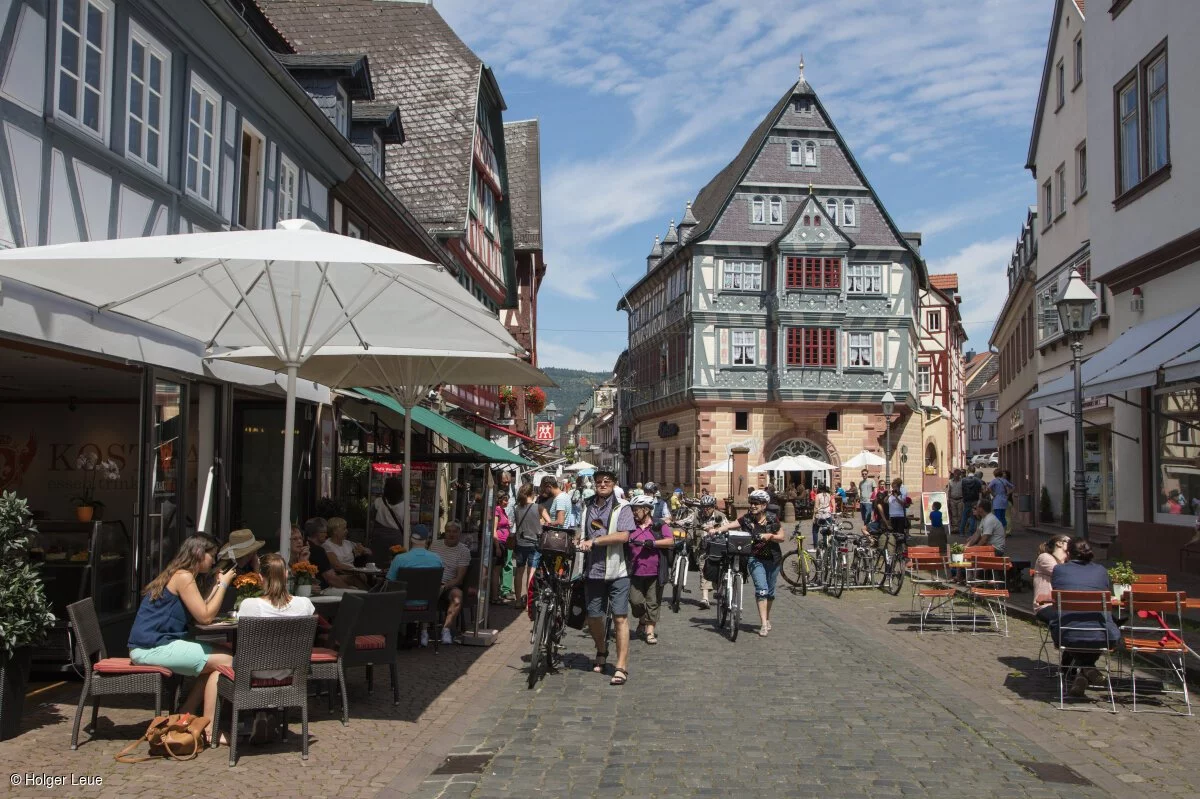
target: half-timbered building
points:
(940, 382)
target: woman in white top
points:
(342, 552)
(275, 602)
(1053, 552)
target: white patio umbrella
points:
(720, 467)
(293, 291)
(864, 459)
(793, 463)
(579, 466)
(405, 373)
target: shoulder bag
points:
(178, 736)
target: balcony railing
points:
(657, 390)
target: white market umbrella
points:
(579, 466)
(863, 460)
(293, 291)
(405, 373)
(720, 467)
(793, 463)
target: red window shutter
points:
(795, 337)
(828, 347)
(795, 272)
(833, 276)
(812, 273)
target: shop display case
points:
(78, 560)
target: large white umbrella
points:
(293, 291)
(864, 459)
(406, 373)
(579, 466)
(793, 463)
(720, 467)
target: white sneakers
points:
(446, 637)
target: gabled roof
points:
(383, 116)
(1047, 74)
(353, 68)
(522, 143)
(944, 282)
(987, 381)
(790, 229)
(422, 66)
(980, 369)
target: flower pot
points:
(304, 589)
(957, 557)
(14, 675)
(84, 513)
(1119, 590)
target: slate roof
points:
(947, 282)
(354, 66)
(980, 379)
(523, 147)
(380, 115)
(418, 63)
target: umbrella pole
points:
(285, 502)
(406, 476)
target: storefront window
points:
(166, 468)
(1177, 445)
(1097, 469)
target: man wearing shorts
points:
(606, 529)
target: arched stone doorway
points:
(800, 446)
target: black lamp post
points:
(979, 411)
(889, 405)
(1076, 307)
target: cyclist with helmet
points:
(648, 565)
(709, 519)
(765, 554)
(662, 509)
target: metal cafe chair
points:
(987, 588)
(270, 644)
(1083, 613)
(105, 676)
(1155, 627)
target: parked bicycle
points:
(799, 568)
(732, 548)
(679, 567)
(551, 598)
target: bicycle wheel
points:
(840, 573)
(792, 570)
(723, 602)
(679, 583)
(541, 631)
(858, 572)
(820, 570)
(893, 574)
(735, 609)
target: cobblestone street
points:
(844, 698)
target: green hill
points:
(575, 386)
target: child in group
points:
(937, 531)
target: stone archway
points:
(801, 446)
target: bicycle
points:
(799, 568)
(679, 568)
(735, 548)
(552, 595)
(893, 560)
(838, 560)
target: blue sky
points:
(642, 102)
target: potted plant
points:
(24, 610)
(956, 553)
(1122, 576)
(247, 585)
(535, 399)
(93, 469)
(508, 401)
(304, 573)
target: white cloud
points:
(983, 282)
(551, 354)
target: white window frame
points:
(741, 275)
(933, 321)
(353, 230)
(341, 106)
(252, 220)
(776, 206)
(1077, 49)
(377, 154)
(758, 212)
(864, 278)
(1060, 177)
(924, 378)
(810, 153)
(795, 153)
(831, 208)
(1048, 202)
(105, 89)
(1183, 433)
(746, 340)
(1060, 83)
(153, 48)
(849, 215)
(206, 92)
(1129, 123)
(289, 201)
(860, 350)
(1155, 96)
(1081, 175)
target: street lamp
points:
(1076, 307)
(889, 405)
(979, 411)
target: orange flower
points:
(397, 549)
(304, 568)
(248, 580)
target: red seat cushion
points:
(323, 623)
(369, 641)
(126, 666)
(322, 654)
(227, 671)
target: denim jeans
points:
(764, 574)
(967, 527)
(1001, 514)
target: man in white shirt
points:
(989, 530)
(456, 557)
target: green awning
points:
(488, 452)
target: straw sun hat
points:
(240, 544)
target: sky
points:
(641, 102)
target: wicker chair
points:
(267, 645)
(326, 661)
(424, 588)
(376, 635)
(105, 676)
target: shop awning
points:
(1134, 360)
(488, 452)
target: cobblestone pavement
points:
(385, 751)
(844, 698)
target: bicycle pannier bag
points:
(712, 568)
(555, 542)
(739, 543)
(577, 607)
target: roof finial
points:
(802, 67)
(810, 188)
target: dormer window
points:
(803, 106)
(831, 208)
(758, 211)
(810, 154)
(848, 216)
(794, 156)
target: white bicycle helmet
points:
(708, 501)
(642, 501)
(760, 496)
